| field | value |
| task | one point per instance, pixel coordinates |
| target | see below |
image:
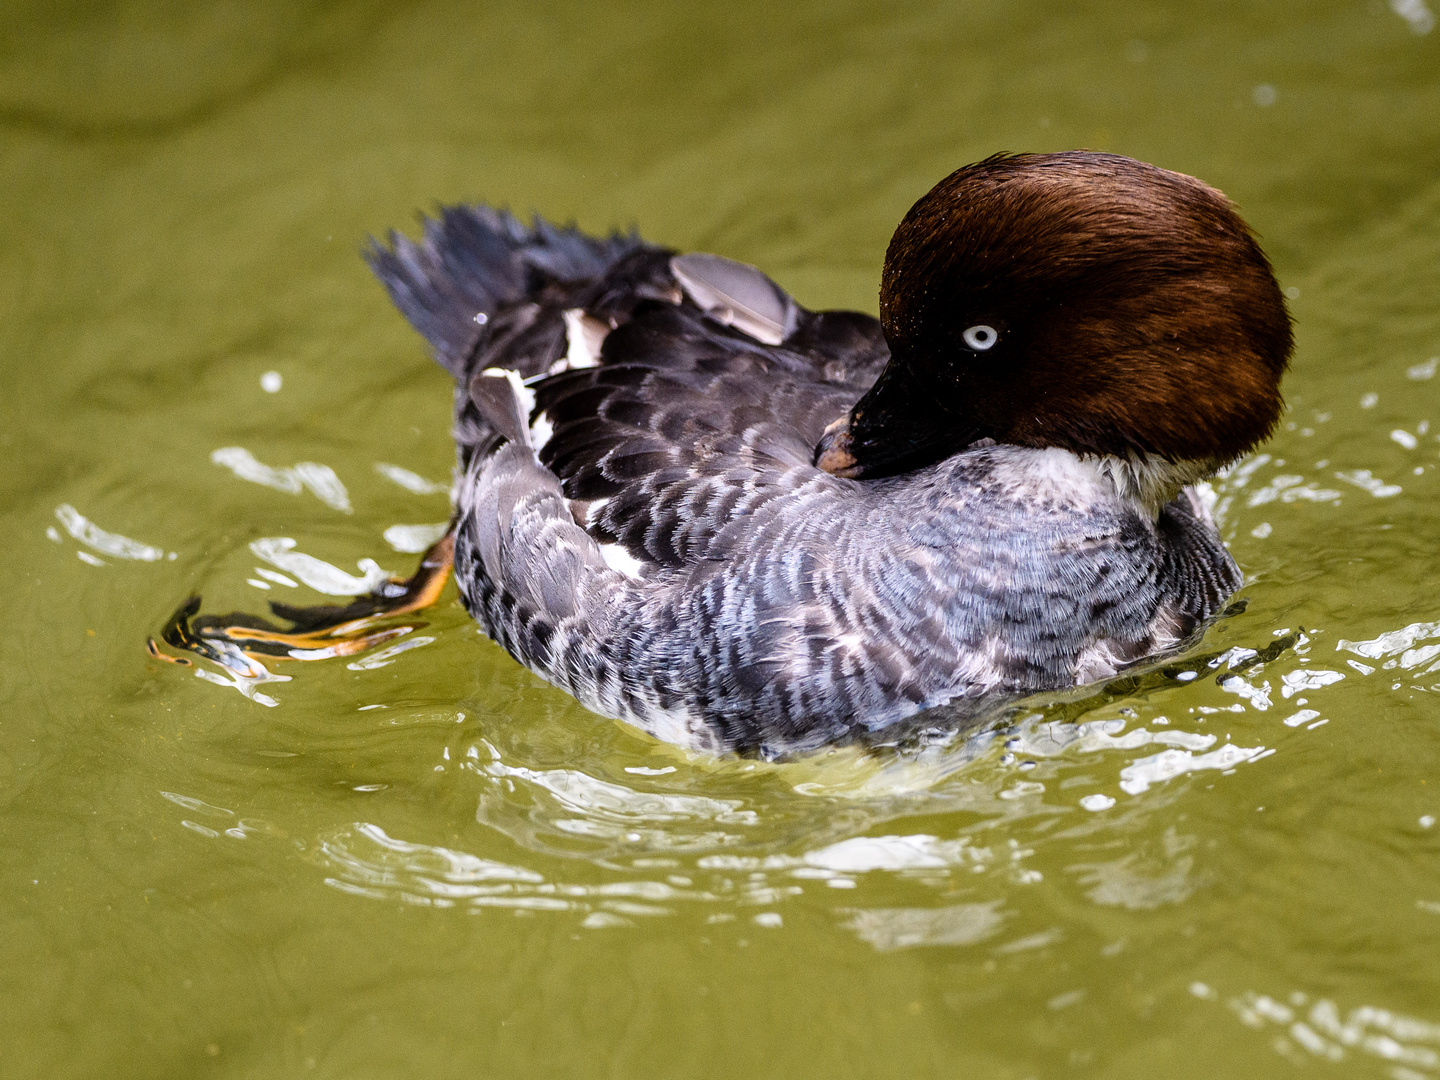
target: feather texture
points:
(768, 606)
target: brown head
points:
(1080, 300)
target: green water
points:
(442, 867)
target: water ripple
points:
(107, 543)
(321, 480)
(1316, 1028)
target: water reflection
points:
(1307, 1028)
(107, 543)
(902, 928)
(320, 480)
(321, 576)
(733, 838)
(1416, 14)
(222, 822)
(160, 189)
(1399, 650)
(1147, 877)
(413, 539)
(365, 861)
(410, 481)
(566, 811)
(606, 839)
(243, 673)
(387, 656)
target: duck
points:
(743, 526)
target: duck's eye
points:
(981, 337)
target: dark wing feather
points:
(478, 261)
(693, 414)
(687, 422)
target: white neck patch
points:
(1146, 483)
(1149, 482)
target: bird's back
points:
(648, 531)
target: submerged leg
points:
(238, 641)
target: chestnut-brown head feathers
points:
(1080, 300)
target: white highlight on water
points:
(1416, 14)
(108, 543)
(247, 685)
(1307, 679)
(888, 929)
(324, 484)
(320, 479)
(410, 481)
(1257, 696)
(413, 539)
(1363, 479)
(1138, 777)
(244, 465)
(1318, 1027)
(385, 657)
(319, 575)
(1288, 489)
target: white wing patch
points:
(584, 336)
(540, 431)
(617, 558)
(594, 511)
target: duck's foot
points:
(239, 642)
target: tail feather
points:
(472, 260)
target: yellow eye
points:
(981, 337)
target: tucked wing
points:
(672, 392)
(686, 423)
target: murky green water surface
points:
(431, 864)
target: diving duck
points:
(741, 525)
